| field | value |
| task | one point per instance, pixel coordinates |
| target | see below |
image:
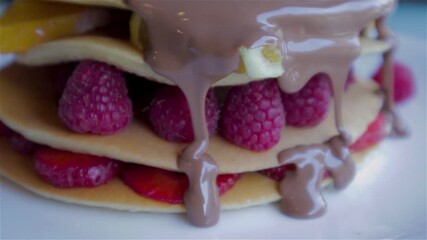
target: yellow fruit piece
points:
(271, 53)
(138, 32)
(28, 23)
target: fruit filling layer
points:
(33, 108)
(65, 169)
(137, 177)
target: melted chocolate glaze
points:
(301, 195)
(385, 34)
(195, 43)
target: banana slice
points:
(257, 63)
(262, 62)
(138, 32)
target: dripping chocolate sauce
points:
(195, 43)
(301, 196)
(385, 34)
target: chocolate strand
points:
(385, 34)
(301, 191)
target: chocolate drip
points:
(301, 195)
(385, 34)
(202, 193)
(195, 43)
(201, 169)
(202, 197)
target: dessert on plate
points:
(192, 106)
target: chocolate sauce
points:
(301, 195)
(385, 34)
(195, 43)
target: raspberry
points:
(309, 106)
(166, 186)
(70, 170)
(23, 145)
(403, 81)
(141, 92)
(253, 115)
(5, 131)
(170, 118)
(95, 100)
(373, 134)
(64, 73)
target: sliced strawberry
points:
(373, 135)
(68, 170)
(166, 186)
(278, 173)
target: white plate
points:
(386, 200)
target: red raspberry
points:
(70, 170)
(170, 117)
(64, 73)
(23, 145)
(95, 100)
(5, 131)
(309, 106)
(403, 81)
(166, 186)
(373, 135)
(253, 116)
(141, 92)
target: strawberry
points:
(278, 173)
(69, 170)
(373, 135)
(166, 186)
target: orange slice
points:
(28, 23)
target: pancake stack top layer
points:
(197, 44)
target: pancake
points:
(123, 55)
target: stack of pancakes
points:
(28, 105)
